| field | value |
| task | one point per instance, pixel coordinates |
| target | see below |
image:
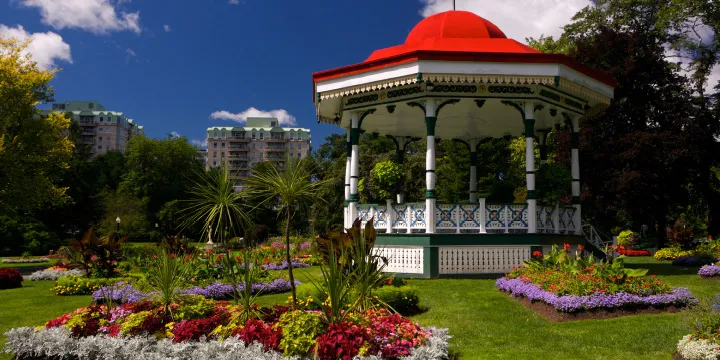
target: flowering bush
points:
(295, 333)
(626, 238)
(10, 279)
(698, 349)
(629, 252)
(284, 265)
(710, 270)
(76, 285)
(54, 273)
(671, 253)
(575, 283)
(703, 321)
(24, 260)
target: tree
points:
(34, 148)
(215, 205)
(159, 171)
(290, 187)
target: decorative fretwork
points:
(481, 259)
(495, 216)
(400, 221)
(378, 85)
(518, 216)
(446, 215)
(490, 79)
(417, 216)
(381, 216)
(470, 216)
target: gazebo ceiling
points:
(460, 56)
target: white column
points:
(347, 181)
(530, 166)
(389, 216)
(354, 164)
(430, 178)
(481, 215)
(575, 171)
(556, 218)
(473, 171)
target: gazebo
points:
(457, 76)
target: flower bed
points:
(574, 284)
(25, 260)
(214, 330)
(690, 348)
(703, 321)
(77, 285)
(284, 266)
(10, 279)
(124, 292)
(710, 271)
(630, 252)
(54, 273)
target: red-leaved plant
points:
(256, 330)
(342, 340)
(10, 279)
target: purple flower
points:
(121, 292)
(571, 303)
(709, 270)
(220, 291)
(284, 266)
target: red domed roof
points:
(455, 25)
(455, 31)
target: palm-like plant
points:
(290, 186)
(215, 204)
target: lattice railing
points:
(401, 259)
(481, 259)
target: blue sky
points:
(171, 64)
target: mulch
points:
(710, 277)
(549, 313)
(677, 356)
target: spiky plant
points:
(289, 187)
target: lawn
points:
(485, 324)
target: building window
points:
(214, 163)
(262, 135)
(215, 145)
(222, 145)
(101, 119)
(299, 146)
(214, 154)
(292, 135)
(273, 123)
(99, 146)
(253, 135)
(292, 146)
(101, 130)
(262, 145)
(222, 154)
(223, 134)
(101, 138)
(215, 134)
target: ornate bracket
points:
(517, 106)
(480, 103)
(390, 109)
(448, 102)
(417, 105)
(362, 117)
(539, 107)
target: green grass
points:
(26, 265)
(484, 323)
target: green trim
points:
(530, 172)
(575, 200)
(354, 198)
(348, 148)
(419, 77)
(430, 122)
(532, 194)
(354, 137)
(529, 127)
(430, 171)
(543, 152)
(417, 104)
(423, 240)
(346, 203)
(473, 158)
(429, 193)
(557, 81)
(431, 262)
(575, 140)
(443, 104)
(567, 94)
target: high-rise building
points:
(261, 139)
(102, 130)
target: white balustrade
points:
(401, 259)
(481, 259)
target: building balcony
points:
(238, 139)
(239, 148)
(237, 156)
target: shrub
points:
(403, 299)
(698, 260)
(703, 320)
(54, 274)
(626, 238)
(629, 252)
(10, 279)
(671, 253)
(76, 285)
(256, 330)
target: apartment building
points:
(261, 139)
(102, 130)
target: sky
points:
(181, 66)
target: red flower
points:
(566, 247)
(537, 254)
(581, 248)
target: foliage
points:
(130, 210)
(626, 238)
(242, 271)
(383, 179)
(256, 234)
(174, 244)
(300, 329)
(552, 182)
(681, 234)
(402, 299)
(34, 148)
(342, 340)
(703, 320)
(10, 278)
(672, 253)
(216, 205)
(168, 274)
(291, 187)
(257, 330)
(97, 256)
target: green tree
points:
(290, 187)
(34, 148)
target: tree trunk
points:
(287, 253)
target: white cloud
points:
(199, 143)
(175, 134)
(713, 80)
(167, 28)
(282, 115)
(234, 2)
(130, 52)
(518, 19)
(97, 16)
(45, 48)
